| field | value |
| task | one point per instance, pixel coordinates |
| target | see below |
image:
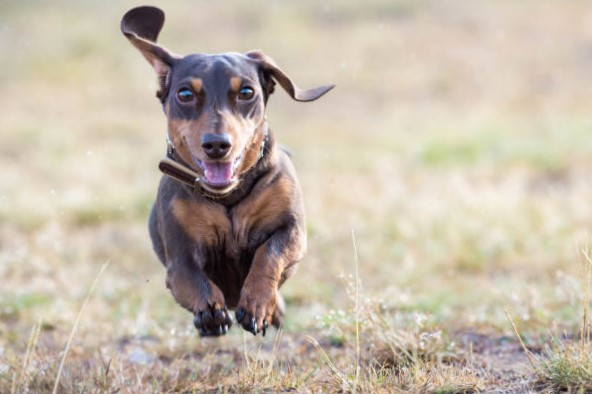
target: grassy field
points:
(452, 163)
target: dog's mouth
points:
(220, 175)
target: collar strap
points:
(179, 171)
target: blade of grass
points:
(357, 312)
(75, 327)
(23, 377)
(245, 351)
(325, 358)
(585, 329)
(531, 357)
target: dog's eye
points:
(246, 93)
(185, 95)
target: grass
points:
(390, 348)
(567, 367)
(566, 364)
(73, 332)
(456, 146)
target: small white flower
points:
(420, 319)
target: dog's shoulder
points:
(274, 201)
(279, 186)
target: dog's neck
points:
(176, 168)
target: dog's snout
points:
(216, 146)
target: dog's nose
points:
(216, 146)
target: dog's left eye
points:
(246, 93)
(185, 95)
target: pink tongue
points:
(218, 174)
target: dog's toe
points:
(207, 318)
(212, 322)
(219, 317)
(248, 322)
(198, 321)
(240, 315)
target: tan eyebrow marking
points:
(235, 83)
(196, 84)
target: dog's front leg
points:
(195, 292)
(274, 261)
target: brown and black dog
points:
(228, 222)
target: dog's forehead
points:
(216, 68)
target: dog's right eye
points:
(246, 93)
(185, 95)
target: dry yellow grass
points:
(456, 146)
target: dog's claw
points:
(264, 327)
(253, 326)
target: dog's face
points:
(215, 104)
(215, 107)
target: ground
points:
(446, 182)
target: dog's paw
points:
(256, 313)
(212, 321)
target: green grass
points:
(567, 366)
(539, 146)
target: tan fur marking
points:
(203, 222)
(269, 206)
(235, 84)
(196, 84)
(185, 135)
(251, 154)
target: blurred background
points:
(457, 147)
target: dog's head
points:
(215, 104)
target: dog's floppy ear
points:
(141, 26)
(269, 66)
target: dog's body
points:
(212, 250)
(230, 238)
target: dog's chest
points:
(219, 233)
(224, 242)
